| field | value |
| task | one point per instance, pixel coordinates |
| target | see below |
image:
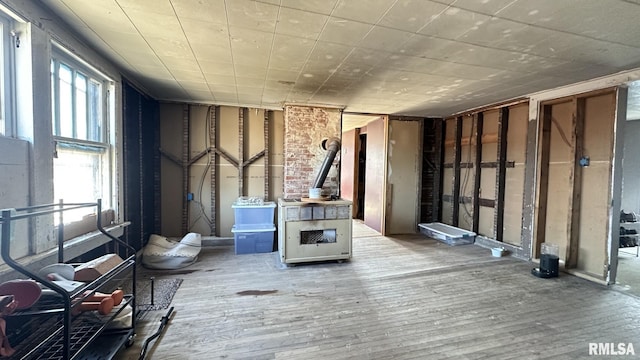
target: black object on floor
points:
(163, 322)
(548, 267)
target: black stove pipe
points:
(332, 146)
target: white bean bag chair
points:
(162, 253)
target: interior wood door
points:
(403, 170)
(349, 168)
(376, 175)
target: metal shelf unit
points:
(49, 329)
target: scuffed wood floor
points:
(404, 297)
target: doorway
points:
(628, 264)
(361, 175)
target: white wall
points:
(34, 162)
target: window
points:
(6, 74)
(82, 164)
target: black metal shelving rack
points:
(48, 329)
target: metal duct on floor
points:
(332, 145)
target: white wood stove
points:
(314, 231)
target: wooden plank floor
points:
(404, 297)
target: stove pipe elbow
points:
(332, 145)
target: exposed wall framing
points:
(212, 123)
(227, 156)
(501, 173)
(479, 118)
(480, 152)
(457, 149)
(577, 129)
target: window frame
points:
(104, 128)
(10, 39)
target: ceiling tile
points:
(315, 6)
(300, 23)
(487, 7)
(369, 13)
(385, 39)
(213, 53)
(412, 15)
(343, 31)
(210, 11)
(216, 67)
(221, 79)
(252, 15)
(159, 7)
(493, 31)
(453, 23)
(170, 47)
(201, 32)
(290, 52)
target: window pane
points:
(53, 99)
(95, 111)
(65, 94)
(81, 107)
(78, 177)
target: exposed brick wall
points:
(304, 129)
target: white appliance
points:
(314, 230)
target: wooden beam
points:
(545, 148)
(575, 183)
(198, 156)
(223, 154)
(456, 171)
(171, 157)
(267, 146)
(241, 151)
(484, 165)
(437, 187)
(470, 140)
(213, 168)
(490, 203)
(185, 169)
(479, 118)
(501, 173)
(253, 158)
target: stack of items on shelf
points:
(23, 300)
(63, 310)
(628, 237)
(254, 227)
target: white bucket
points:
(315, 193)
(498, 252)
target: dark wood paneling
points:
(141, 165)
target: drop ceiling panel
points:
(314, 6)
(211, 10)
(215, 68)
(300, 23)
(369, 12)
(487, 7)
(206, 33)
(384, 56)
(381, 38)
(454, 22)
(412, 15)
(343, 31)
(252, 15)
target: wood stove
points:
(314, 230)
